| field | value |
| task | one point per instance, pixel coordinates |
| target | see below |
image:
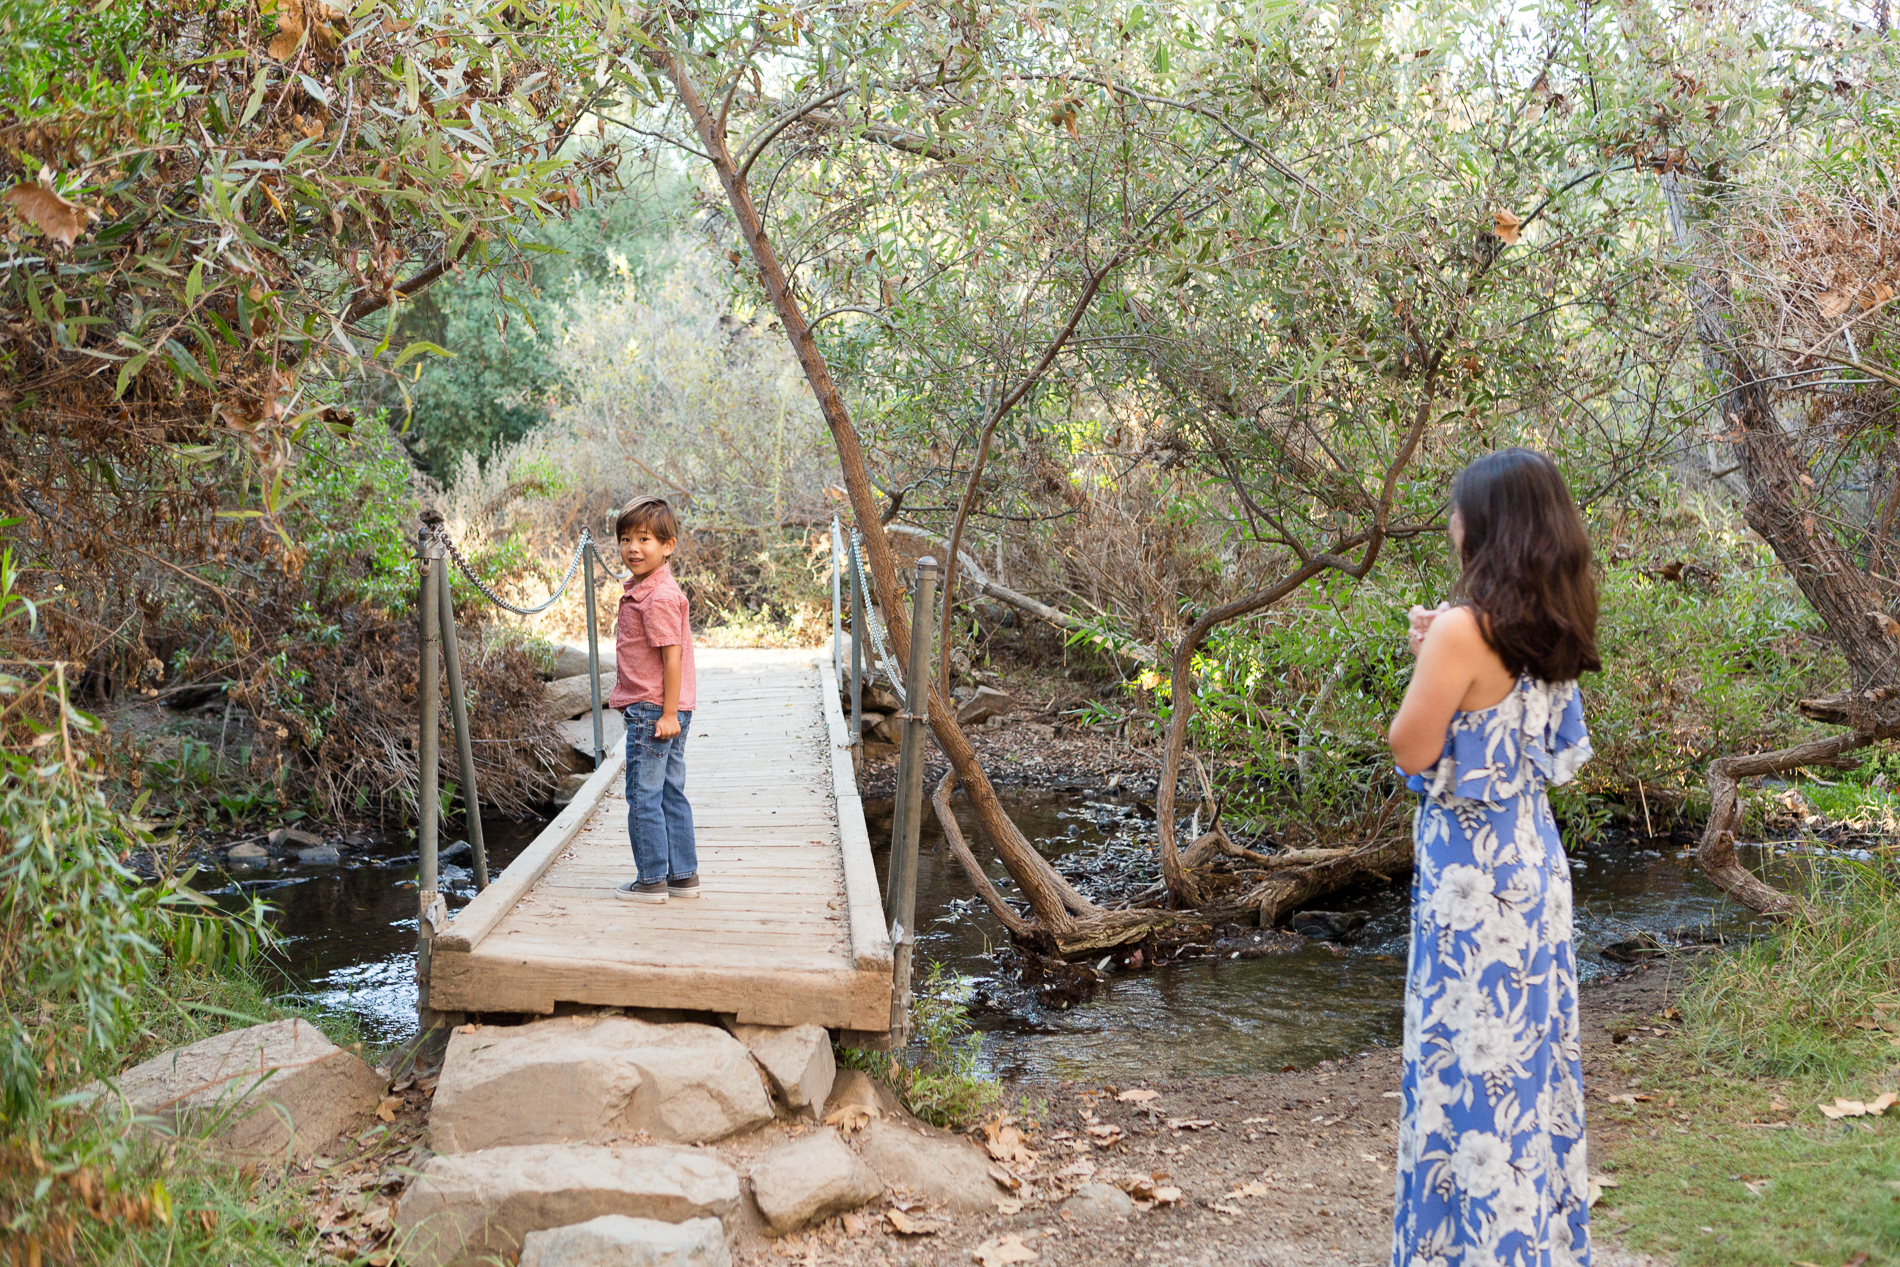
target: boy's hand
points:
(1421, 619)
(667, 727)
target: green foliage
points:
(941, 1077)
(503, 326)
(77, 927)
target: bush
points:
(941, 1077)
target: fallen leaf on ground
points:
(906, 1225)
(1190, 1123)
(46, 211)
(1256, 1121)
(387, 1109)
(1627, 1098)
(1105, 1135)
(1000, 1251)
(1007, 1177)
(1245, 1190)
(1843, 1107)
(1140, 1095)
(850, 1118)
(1006, 1144)
(1777, 1105)
(1756, 1186)
(1007, 1205)
(1167, 1196)
(1228, 1209)
(1083, 1169)
(855, 1224)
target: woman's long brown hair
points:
(1527, 565)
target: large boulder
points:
(580, 1079)
(940, 1168)
(274, 1090)
(578, 735)
(460, 1209)
(798, 1060)
(614, 1240)
(570, 658)
(810, 1179)
(570, 697)
(988, 702)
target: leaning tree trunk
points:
(1069, 918)
(1782, 506)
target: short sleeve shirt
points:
(653, 614)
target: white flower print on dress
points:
(1491, 1151)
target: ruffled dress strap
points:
(1533, 738)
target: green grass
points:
(940, 1078)
(1768, 1034)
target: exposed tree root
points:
(1716, 853)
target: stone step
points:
(614, 1240)
(809, 1179)
(581, 1079)
(463, 1208)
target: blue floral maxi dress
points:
(1491, 1169)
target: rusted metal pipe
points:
(910, 794)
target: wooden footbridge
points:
(790, 928)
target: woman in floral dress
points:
(1491, 1144)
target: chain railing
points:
(440, 648)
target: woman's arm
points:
(1449, 658)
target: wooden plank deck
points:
(790, 927)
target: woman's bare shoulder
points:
(1456, 627)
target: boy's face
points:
(643, 553)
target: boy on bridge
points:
(653, 685)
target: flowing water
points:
(349, 942)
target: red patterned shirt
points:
(653, 614)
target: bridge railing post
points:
(430, 912)
(858, 659)
(593, 646)
(837, 585)
(907, 820)
(464, 745)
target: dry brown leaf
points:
(1880, 294)
(855, 1224)
(1190, 1123)
(907, 1225)
(1000, 1251)
(1628, 1098)
(51, 214)
(1006, 1144)
(1832, 303)
(1245, 1190)
(1167, 1196)
(290, 28)
(1506, 225)
(1140, 1095)
(1007, 1177)
(387, 1109)
(849, 1118)
(1843, 1107)
(1008, 1205)
(1083, 1169)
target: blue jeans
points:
(659, 820)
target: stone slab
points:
(811, 1179)
(798, 1060)
(273, 1090)
(461, 1209)
(616, 1240)
(589, 1079)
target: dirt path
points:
(1291, 1169)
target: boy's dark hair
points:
(652, 514)
(1527, 565)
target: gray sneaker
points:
(634, 891)
(686, 887)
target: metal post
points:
(464, 747)
(837, 581)
(593, 648)
(428, 800)
(858, 659)
(910, 796)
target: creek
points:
(348, 943)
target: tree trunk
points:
(1056, 903)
